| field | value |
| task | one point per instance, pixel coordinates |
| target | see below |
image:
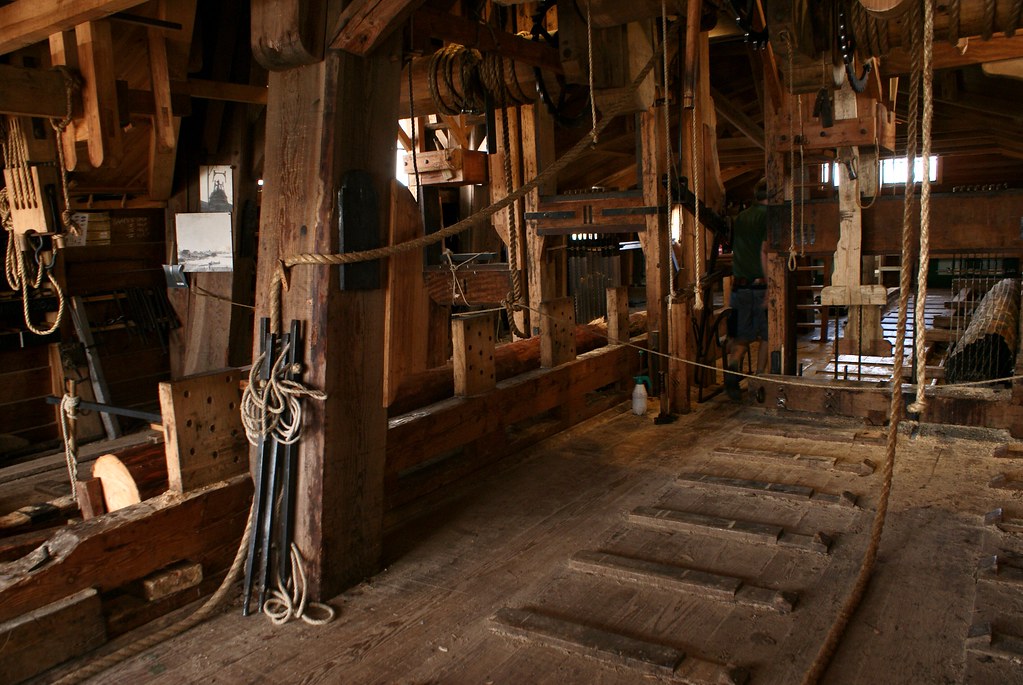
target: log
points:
(512, 359)
(132, 476)
(988, 347)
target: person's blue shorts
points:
(749, 314)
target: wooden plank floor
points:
(554, 570)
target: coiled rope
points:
(17, 273)
(266, 402)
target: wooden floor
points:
(715, 549)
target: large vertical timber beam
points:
(324, 120)
(537, 128)
(654, 240)
(781, 310)
(99, 94)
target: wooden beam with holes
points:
(205, 440)
(473, 343)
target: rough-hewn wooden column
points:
(781, 311)
(324, 120)
(654, 240)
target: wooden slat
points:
(645, 656)
(407, 304)
(557, 332)
(473, 343)
(25, 22)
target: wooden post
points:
(537, 128)
(781, 323)
(618, 315)
(679, 373)
(557, 332)
(654, 240)
(473, 342)
(323, 121)
(781, 310)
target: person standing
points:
(749, 288)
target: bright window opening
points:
(893, 171)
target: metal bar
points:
(99, 382)
(110, 409)
(259, 504)
(287, 475)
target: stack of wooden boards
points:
(180, 510)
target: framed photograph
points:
(204, 241)
(216, 188)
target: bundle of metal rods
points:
(274, 477)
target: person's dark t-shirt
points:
(748, 234)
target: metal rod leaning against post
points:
(258, 503)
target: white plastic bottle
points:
(639, 399)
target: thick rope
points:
(925, 210)
(668, 160)
(697, 161)
(68, 413)
(988, 27)
(17, 276)
(514, 298)
(1014, 18)
(589, 75)
(792, 157)
(72, 83)
(852, 602)
(286, 603)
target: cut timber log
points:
(988, 348)
(131, 476)
(512, 359)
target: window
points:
(893, 171)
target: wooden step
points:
(751, 531)
(780, 490)
(643, 655)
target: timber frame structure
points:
(503, 326)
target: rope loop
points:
(285, 603)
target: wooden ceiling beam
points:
(25, 22)
(431, 24)
(899, 61)
(31, 92)
(365, 24)
(737, 118)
